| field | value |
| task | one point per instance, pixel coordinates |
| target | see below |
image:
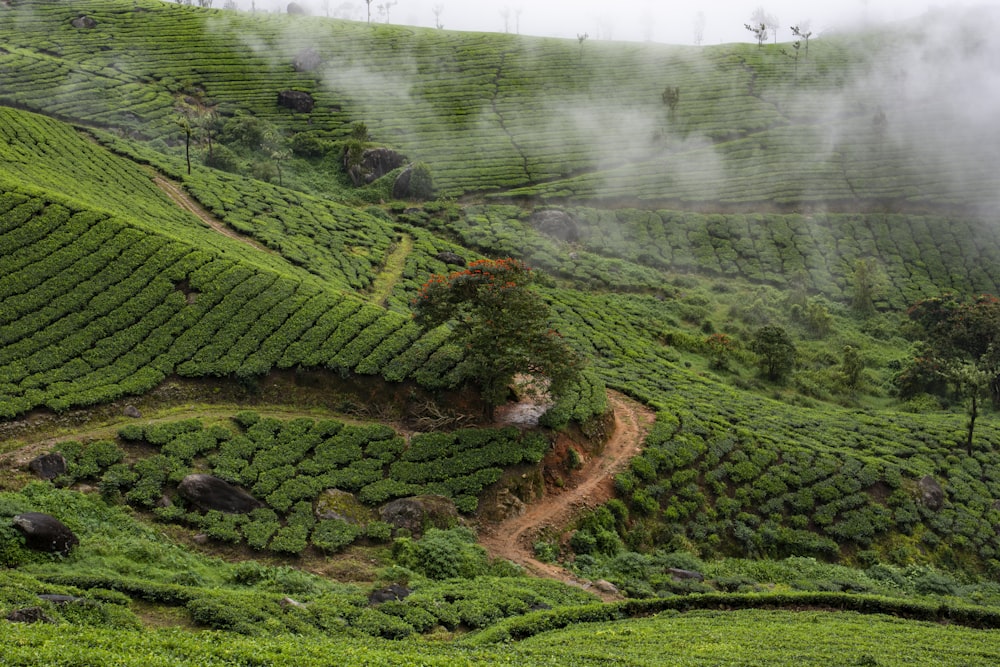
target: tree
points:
(775, 351)
(962, 348)
(368, 6)
(671, 96)
(759, 31)
(851, 369)
(720, 350)
(868, 284)
(699, 28)
(501, 324)
(438, 10)
(803, 32)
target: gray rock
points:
(605, 586)
(418, 513)
(450, 258)
(132, 411)
(931, 493)
(29, 615)
(48, 466)
(44, 532)
(211, 493)
(84, 22)
(389, 593)
(60, 599)
(306, 60)
(296, 100)
(557, 224)
(679, 574)
(375, 163)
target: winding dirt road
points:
(513, 539)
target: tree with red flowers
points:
(501, 324)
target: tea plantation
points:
(224, 217)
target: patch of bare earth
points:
(182, 199)
(593, 484)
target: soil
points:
(182, 199)
(588, 487)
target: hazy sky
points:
(635, 20)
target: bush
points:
(443, 554)
(333, 534)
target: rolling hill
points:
(167, 215)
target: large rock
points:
(48, 466)
(343, 506)
(449, 257)
(211, 493)
(418, 513)
(29, 615)
(84, 22)
(678, 574)
(557, 224)
(375, 163)
(44, 532)
(296, 100)
(391, 593)
(931, 493)
(306, 60)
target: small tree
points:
(438, 10)
(868, 284)
(720, 351)
(759, 31)
(421, 182)
(501, 324)
(775, 352)
(851, 369)
(671, 97)
(803, 33)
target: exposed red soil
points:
(587, 488)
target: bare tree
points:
(383, 9)
(368, 5)
(517, 20)
(769, 21)
(505, 15)
(438, 10)
(759, 31)
(803, 32)
(699, 28)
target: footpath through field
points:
(513, 539)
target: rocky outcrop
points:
(211, 493)
(48, 466)
(29, 615)
(132, 412)
(417, 513)
(392, 592)
(557, 224)
(306, 60)
(931, 493)
(342, 506)
(83, 22)
(296, 100)
(450, 258)
(375, 163)
(678, 574)
(44, 532)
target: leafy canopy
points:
(501, 324)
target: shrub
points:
(333, 534)
(443, 554)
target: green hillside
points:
(187, 225)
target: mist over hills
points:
(181, 229)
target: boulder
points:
(337, 504)
(390, 593)
(132, 411)
(557, 224)
(296, 100)
(606, 586)
(84, 22)
(44, 532)
(211, 493)
(60, 599)
(417, 513)
(679, 574)
(306, 60)
(375, 163)
(29, 615)
(450, 258)
(48, 466)
(931, 493)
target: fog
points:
(713, 22)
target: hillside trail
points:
(513, 539)
(186, 202)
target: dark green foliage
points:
(442, 554)
(775, 352)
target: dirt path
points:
(513, 539)
(182, 199)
